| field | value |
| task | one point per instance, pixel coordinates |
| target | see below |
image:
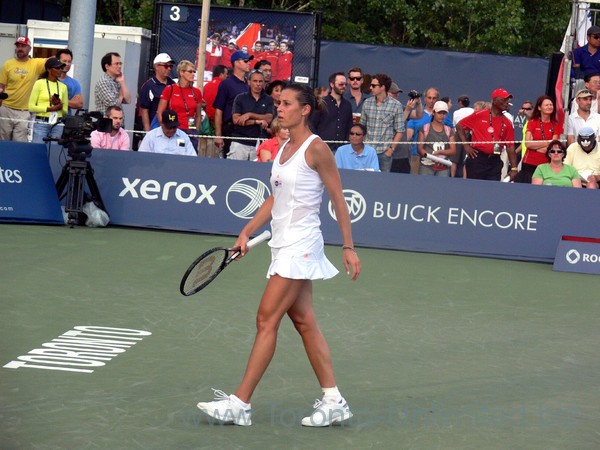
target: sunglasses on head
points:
(355, 78)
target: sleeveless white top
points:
(297, 191)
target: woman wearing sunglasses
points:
(555, 172)
(185, 100)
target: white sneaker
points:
(227, 410)
(328, 412)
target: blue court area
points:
(431, 351)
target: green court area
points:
(431, 351)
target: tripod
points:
(74, 174)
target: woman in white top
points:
(302, 169)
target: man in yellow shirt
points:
(584, 155)
(17, 77)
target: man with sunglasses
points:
(355, 94)
(152, 89)
(357, 155)
(586, 59)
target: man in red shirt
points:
(284, 63)
(272, 55)
(493, 133)
(219, 73)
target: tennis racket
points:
(211, 263)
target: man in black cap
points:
(168, 138)
(586, 59)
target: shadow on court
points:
(431, 351)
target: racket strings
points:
(204, 270)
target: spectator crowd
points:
(363, 120)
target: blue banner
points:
(27, 192)
(388, 210)
(578, 255)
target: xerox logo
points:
(573, 256)
(154, 190)
(357, 206)
(245, 196)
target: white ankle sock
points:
(331, 392)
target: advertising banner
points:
(27, 192)
(578, 254)
(388, 210)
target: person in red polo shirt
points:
(492, 133)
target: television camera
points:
(78, 170)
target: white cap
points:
(440, 106)
(163, 58)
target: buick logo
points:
(573, 256)
(245, 196)
(357, 206)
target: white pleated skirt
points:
(304, 260)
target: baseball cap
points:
(586, 132)
(440, 106)
(501, 93)
(169, 118)
(593, 30)
(394, 89)
(240, 55)
(53, 63)
(163, 58)
(584, 93)
(23, 40)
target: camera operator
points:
(117, 138)
(49, 100)
(168, 138)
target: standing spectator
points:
(257, 51)
(542, 128)
(111, 88)
(583, 116)
(492, 134)
(153, 88)
(284, 63)
(520, 124)
(357, 155)
(395, 91)
(227, 51)
(436, 138)
(252, 114)
(586, 59)
(49, 102)
(384, 120)
(432, 95)
(228, 91)
(17, 78)
(219, 74)
(463, 111)
(117, 138)
(184, 99)
(168, 138)
(267, 151)
(265, 66)
(355, 94)
(272, 55)
(592, 83)
(65, 56)
(333, 122)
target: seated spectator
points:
(267, 151)
(49, 100)
(117, 139)
(584, 155)
(168, 138)
(555, 172)
(357, 155)
(438, 139)
(542, 128)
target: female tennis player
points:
(302, 168)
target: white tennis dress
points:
(297, 242)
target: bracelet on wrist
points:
(347, 247)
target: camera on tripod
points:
(76, 139)
(78, 129)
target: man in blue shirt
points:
(586, 59)
(356, 155)
(168, 138)
(65, 56)
(153, 88)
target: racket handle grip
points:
(258, 239)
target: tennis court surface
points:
(431, 351)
